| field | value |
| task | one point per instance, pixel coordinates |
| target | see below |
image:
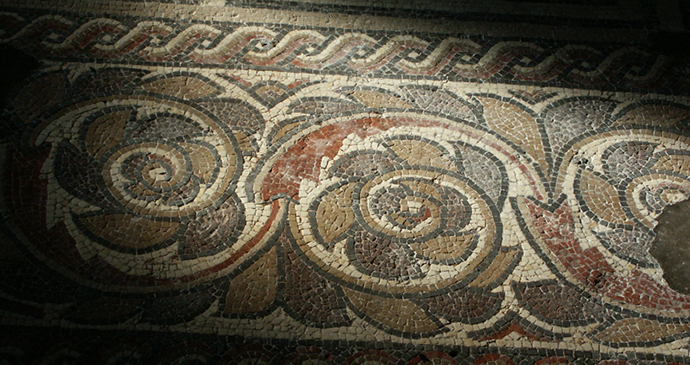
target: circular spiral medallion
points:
(148, 186)
(403, 227)
(399, 211)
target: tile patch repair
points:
(179, 188)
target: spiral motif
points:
(625, 187)
(158, 178)
(161, 162)
(411, 207)
(648, 179)
(405, 225)
(159, 172)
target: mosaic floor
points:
(323, 182)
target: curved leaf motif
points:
(440, 101)
(464, 305)
(129, 232)
(601, 198)
(444, 248)
(336, 213)
(321, 106)
(185, 86)
(559, 304)
(255, 288)
(106, 132)
(641, 330)
(660, 115)
(407, 316)
(499, 268)
(308, 296)
(377, 99)
(422, 153)
(214, 231)
(517, 125)
(573, 118)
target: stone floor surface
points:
(266, 182)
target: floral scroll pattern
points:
(394, 211)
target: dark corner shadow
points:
(15, 66)
(673, 44)
(671, 248)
